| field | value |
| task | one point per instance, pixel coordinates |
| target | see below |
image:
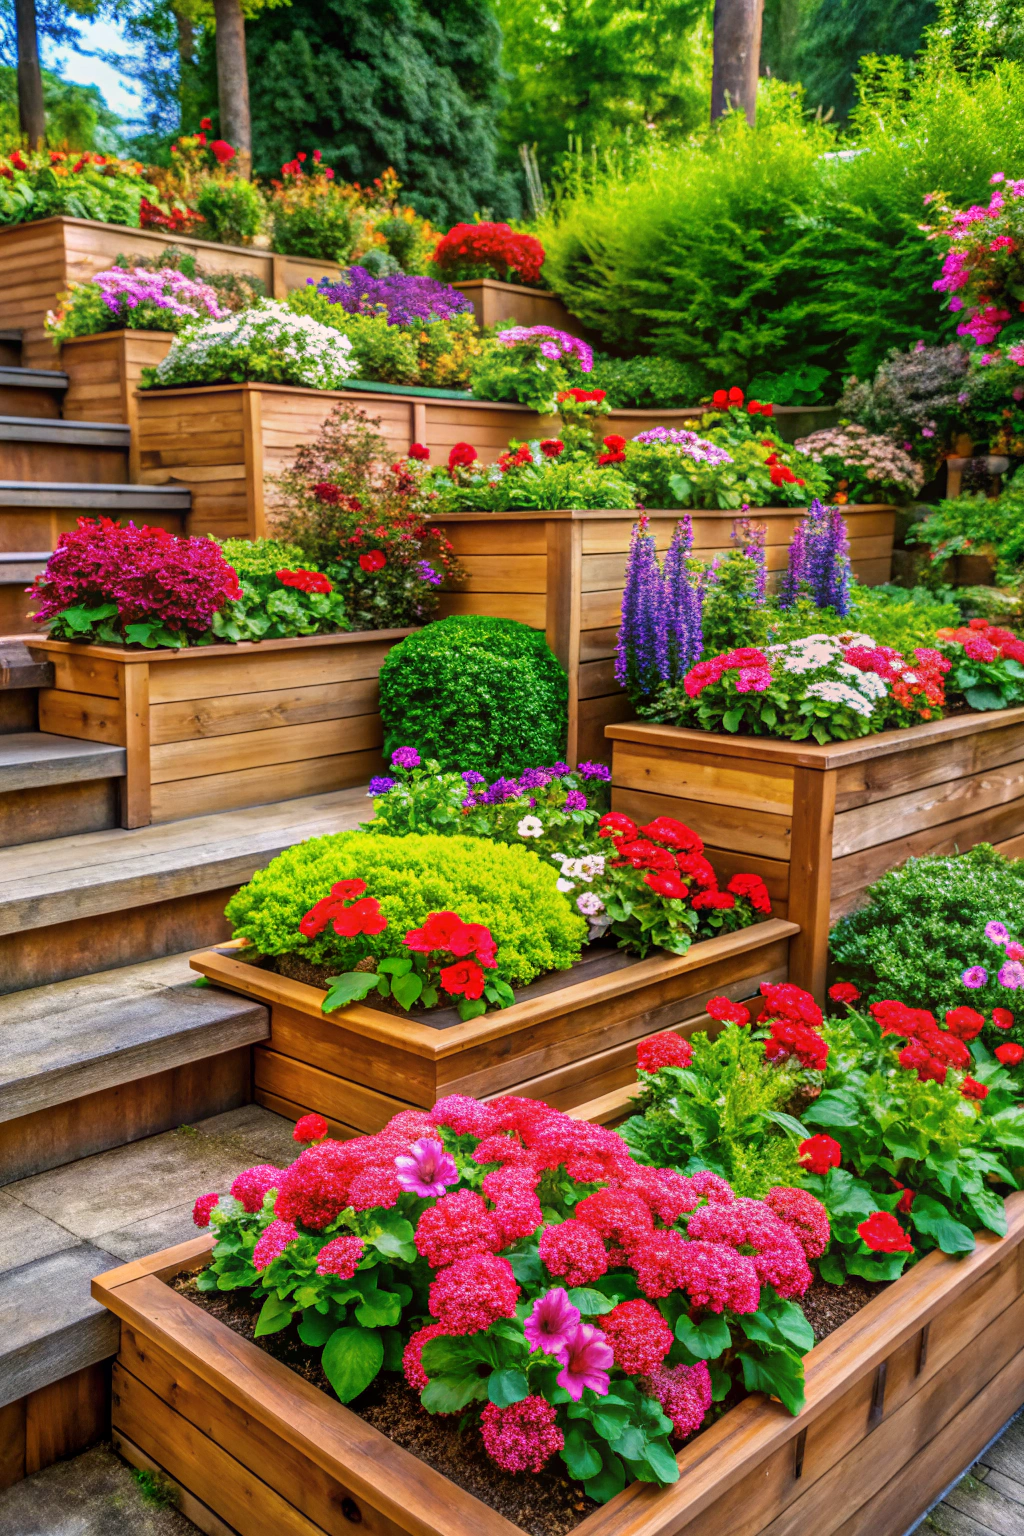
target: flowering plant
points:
(521, 1265)
(759, 470)
(280, 597)
(916, 399)
(267, 343)
(403, 299)
(136, 298)
(533, 364)
(987, 664)
(535, 476)
(489, 250)
(38, 184)
(862, 466)
(983, 269)
(819, 561)
(137, 586)
(976, 524)
(434, 351)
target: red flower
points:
(726, 1011)
(965, 1023)
(412, 1365)
(310, 1128)
(374, 560)
(710, 900)
(882, 1233)
(574, 1252)
(461, 454)
(523, 1436)
(820, 1153)
(1002, 1018)
(639, 1336)
(458, 1225)
(754, 889)
(1010, 1055)
(844, 992)
(971, 1089)
(906, 1201)
(305, 581)
(472, 1293)
(464, 978)
(667, 885)
(496, 246)
(202, 1208)
(769, 410)
(665, 829)
(419, 451)
(664, 1050)
(205, 123)
(645, 855)
(720, 399)
(614, 824)
(340, 1257)
(223, 151)
(362, 916)
(581, 396)
(615, 442)
(551, 447)
(735, 395)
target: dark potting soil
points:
(542, 1504)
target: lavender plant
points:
(819, 561)
(402, 298)
(642, 647)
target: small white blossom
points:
(589, 904)
(530, 826)
(565, 885)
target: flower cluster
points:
(916, 687)
(401, 297)
(489, 250)
(819, 561)
(793, 1021)
(267, 343)
(930, 1050)
(686, 444)
(536, 1273)
(987, 663)
(553, 345)
(164, 299)
(862, 465)
(982, 269)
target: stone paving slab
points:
(94, 1494)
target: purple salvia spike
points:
(641, 654)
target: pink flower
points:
(458, 1225)
(472, 1293)
(202, 1208)
(684, 1392)
(523, 1436)
(587, 1358)
(273, 1242)
(974, 976)
(552, 1323)
(1011, 975)
(427, 1169)
(252, 1184)
(574, 1251)
(340, 1257)
(310, 1128)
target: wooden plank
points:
(593, 716)
(810, 881)
(261, 671)
(525, 608)
(264, 785)
(85, 716)
(336, 1129)
(243, 750)
(325, 1092)
(12, 1443)
(562, 615)
(596, 644)
(597, 679)
(599, 610)
(186, 1503)
(721, 826)
(504, 573)
(136, 806)
(186, 719)
(705, 776)
(901, 815)
(333, 1047)
(80, 673)
(67, 1416)
(866, 783)
(490, 538)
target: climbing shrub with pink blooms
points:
(522, 1268)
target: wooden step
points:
(31, 391)
(31, 759)
(34, 513)
(93, 452)
(95, 1063)
(16, 572)
(77, 904)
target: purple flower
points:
(381, 785)
(469, 804)
(552, 1323)
(586, 1360)
(427, 1169)
(425, 571)
(974, 976)
(534, 778)
(470, 776)
(405, 757)
(559, 770)
(501, 790)
(749, 537)
(641, 652)
(997, 933)
(551, 343)
(683, 615)
(1011, 975)
(594, 771)
(401, 298)
(819, 561)
(575, 800)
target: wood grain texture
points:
(810, 877)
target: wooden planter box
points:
(821, 823)
(563, 572)
(565, 1041)
(103, 371)
(497, 303)
(900, 1400)
(223, 726)
(39, 260)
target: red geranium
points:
(966, 1023)
(1002, 1018)
(882, 1233)
(464, 978)
(676, 834)
(551, 447)
(615, 450)
(709, 901)
(615, 824)
(820, 1153)
(305, 581)
(754, 889)
(497, 248)
(726, 1011)
(1010, 1055)
(222, 151)
(844, 992)
(419, 451)
(664, 1050)
(310, 1128)
(972, 1089)
(373, 560)
(363, 916)
(667, 885)
(462, 454)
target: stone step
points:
(95, 1494)
(94, 1063)
(31, 391)
(35, 510)
(76, 904)
(31, 759)
(91, 452)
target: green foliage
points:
(657, 383)
(804, 384)
(509, 890)
(436, 354)
(475, 692)
(723, 1112)
(232, 208)
(666, 477)
(155, 1489)
(900, 617)
(923, 925)
(110, 193)
(414, 84)
(838, 33)
(521, 372)
(77, 117)
(256, 558)
(542, 484)
(978, 525)
(314, 220)
(268, 608)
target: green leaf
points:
(381, 1309)
(834, 1108)
(407, 989)
(778, 1374)
(471, 1008)
(397, 965)
(275, 1314)
(580, 1455)
(449, 1394)
(790, 1124)
(351, 1359)
(931, 1217)
(527, 1267)
(663, 1463)
(507, 1387)
(876, 1266)
(732, 718)
(793, 1325)
(315, 1328)
(705, 1340)
(609, 1481)
(393, 1247)
(984, 698)
(589, 1303)
(352, 987)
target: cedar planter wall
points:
(103, 371)
(497, 303)
(821, 823)
(900, 1400)
(39, 260)
(223, 726)
(565, 1042)
(563, 572)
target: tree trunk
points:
(737, 51)
(31, 116)
(233, 81)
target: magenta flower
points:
(1012, 975)
(552, 1323)
(974, 976)
(586, 1360)
(405, 757)
(427, 1169)
(997, 933)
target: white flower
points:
(530, 827)
(800, 664)
(874, 686)
(840, 693)
(564, 885)
(589, 904)
(590, 865)
(317, 355)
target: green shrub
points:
(648, 383)
(476, 692)
(924, 925)
(509, 890)
(270, 609)
(901, 617)
(233, 209)
(253, 558)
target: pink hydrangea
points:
(250, 1187)
(574, 1252)
(777, 1253)
(473, 1293)
(340, 1257)
(202, 1208)
(717, 1277)
(522, 1437)
(804, 1214)
(684, 1392)
(312, 1191)
(375, 1187)
(272, 1243)
(639, 1336)
(412, 1362)
(458, 1225)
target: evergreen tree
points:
(837, 34)
(414, 84)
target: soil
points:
(541, 1504)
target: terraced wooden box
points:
(821, 823)
(570, 1035)
(564, 572)
(900, 1399)
(39, 259)
(223, 726)
(506, 304)
(103, 371)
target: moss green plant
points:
(509, 890)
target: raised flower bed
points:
(103, 371)
(820, 823)
(496, 303)
(218, 727)
(899, 1399)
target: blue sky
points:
(120, 95)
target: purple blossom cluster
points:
(401, 297)
(819, 561)
(425, 571)
(749, 537)
(661, 634)
(697, 448)
(123, 290)
(552, 344)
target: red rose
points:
(726, 1011)
(820, 1153)
(1010, 1055)
(965, 1023)
(551, 447)
(844, 992)
(720, 398)
(461, 454)
(362, 916)
(419, 451)
(373, 561)
(310, 1128)
(971, 1089)
(223, 151)
(667, 885)
(735, 396)
(465, 978)
(882, 1233)
(1002, 1018)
